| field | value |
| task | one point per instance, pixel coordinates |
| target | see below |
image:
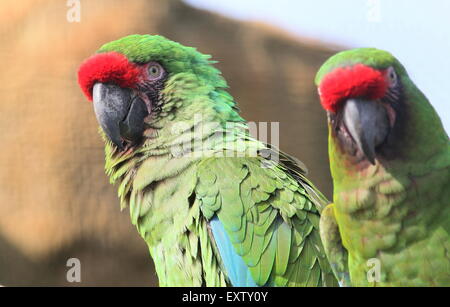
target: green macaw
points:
(390, 162)
(215, 206)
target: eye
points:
(155, 71)
(392, 75)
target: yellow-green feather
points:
(398, 210)
(270, 214)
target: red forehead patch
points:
(107, 67)
(358, 81)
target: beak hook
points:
(368, 124)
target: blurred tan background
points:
(55, 201)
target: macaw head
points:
(363, 92)
(140, 82)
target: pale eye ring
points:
(155, 71)
(392, 75)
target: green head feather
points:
(421, 130)
(193, 91)
(375, 58)
(175, 57)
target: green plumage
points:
(397, 211)
(174, 184)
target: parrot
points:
(389, 222)
(215, 206)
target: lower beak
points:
(120, 113)
(368, 124)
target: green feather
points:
(397, 210)
(269, 213)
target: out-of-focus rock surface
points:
(55, 201)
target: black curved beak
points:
(368, 124)
(120, 113)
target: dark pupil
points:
(154, 70)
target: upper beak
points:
(120, 113)
(368, 124)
